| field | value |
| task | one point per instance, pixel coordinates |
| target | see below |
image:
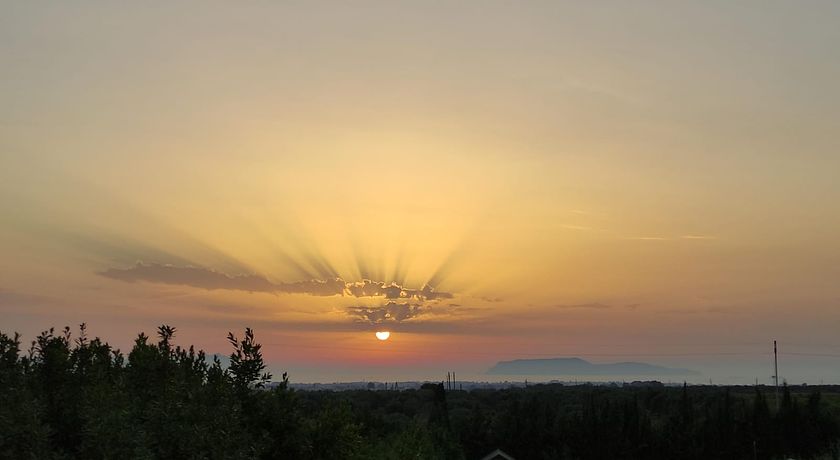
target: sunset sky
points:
(648, 181)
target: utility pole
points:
(776, 367)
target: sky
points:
(487, 180)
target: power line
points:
(825, 355)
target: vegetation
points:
(80, 398)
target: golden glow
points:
(554, 184)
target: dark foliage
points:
(72, 398)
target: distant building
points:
(497, 455)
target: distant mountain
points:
(577, 366)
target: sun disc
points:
(383, 335)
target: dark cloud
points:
(429, 293)
(204, 278)
(210, 279)
(368, 288)
(398, 312)
(390, 312)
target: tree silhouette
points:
(246, 361)
(71, 397)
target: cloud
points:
(598, 306)
(592, 305)
(24, 301)
(491, 299)
(701, 310)
(397, 312)
(209, 279)
(369, 288)
(662, 238)
(390, 312)
(698, 237)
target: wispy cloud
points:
(665, 238)
(701, 310)
(597, 306)
(698, 237)
(593, 306)
(15, 299)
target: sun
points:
(383, 335)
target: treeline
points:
(69, 397)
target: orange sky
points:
(651, 182)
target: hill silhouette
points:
(577, 366)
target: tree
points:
(246, 362)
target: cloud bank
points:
(397, 312)
(390, 312)
(204, 278)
